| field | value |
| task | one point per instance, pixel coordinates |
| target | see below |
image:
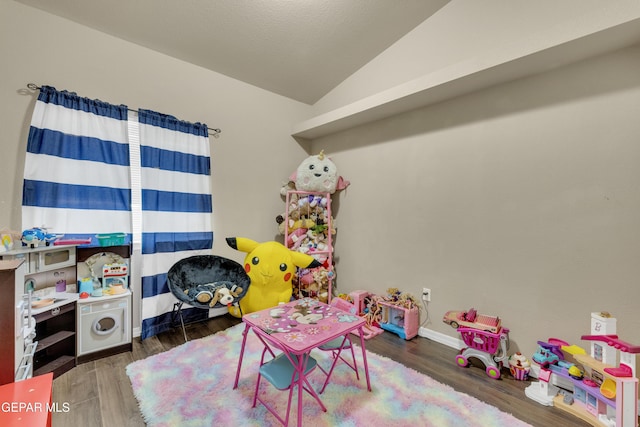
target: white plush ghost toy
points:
(318, 173)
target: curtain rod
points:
(215, 131)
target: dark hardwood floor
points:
(99, 393)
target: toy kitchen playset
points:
(71, 304)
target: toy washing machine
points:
(104, 323)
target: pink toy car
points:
(471, 319)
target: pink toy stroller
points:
(490, 348)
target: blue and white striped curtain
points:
(76, 175)
(90, 169)
(176, 210)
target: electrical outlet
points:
(426, 294)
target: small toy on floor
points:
(519, 366)
(488, 347)
(399, 313)
(471, 319)
(357, 302)
(603, 387)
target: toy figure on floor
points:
(270, 266)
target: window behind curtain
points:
(76, 176)
(176, 210)
(87, 160)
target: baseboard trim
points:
(441, 338)
(122, 348)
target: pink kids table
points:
(297, 328)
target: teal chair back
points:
(281, 373)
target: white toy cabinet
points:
(44, 320)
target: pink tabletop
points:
(303, 324)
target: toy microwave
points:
(115, 278)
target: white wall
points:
(520, 200)
(467, 34)
(248, 165)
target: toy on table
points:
(471, 319)
(270, 266)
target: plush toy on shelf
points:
(270, 266)
(318, 173)
(313, 283)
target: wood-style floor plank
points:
(99, 393)
(77, 388)
(118, 405)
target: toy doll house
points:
(608, 395)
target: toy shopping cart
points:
(490, 348)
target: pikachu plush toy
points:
(270, 266)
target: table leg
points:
(244, 341)
(299, 364)
(301, 377)
(364, 358)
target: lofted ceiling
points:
(300, 49)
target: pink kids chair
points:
(334, 347)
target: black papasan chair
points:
(206, 281)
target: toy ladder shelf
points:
(308, 229)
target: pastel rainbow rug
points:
(192, 386)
